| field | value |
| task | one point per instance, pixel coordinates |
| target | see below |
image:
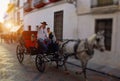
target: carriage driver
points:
(42, 36)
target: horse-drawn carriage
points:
(28, 45)
(82, 49)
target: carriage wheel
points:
(40, 63)
(20, 54)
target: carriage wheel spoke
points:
(19, 52)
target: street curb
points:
(108, 74)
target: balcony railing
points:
(54, 0)
(27, 7)
(39, 3)
(103, 3)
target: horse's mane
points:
(90, 39)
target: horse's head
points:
(100, 41)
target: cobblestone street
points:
(12, 70)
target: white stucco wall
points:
(117, 41)
(85, 26)
(83, 6)
(118, 32)
(47, 14)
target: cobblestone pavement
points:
(12, 70)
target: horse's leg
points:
(80, 72)
(57, 66)
(64, 63)
(84, 65)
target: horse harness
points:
(75, 47)
(89, 50)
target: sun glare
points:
(8, 25)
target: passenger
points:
(52, 45)
(50, 35)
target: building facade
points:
(13, 18)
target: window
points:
(105, 2)
(58, 25)
(29, 28)
(106, 25)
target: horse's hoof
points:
(67, 72)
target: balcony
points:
(39, 3)
(54, 0)
(27, 7)
(104, 6)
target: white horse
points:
(83, 50)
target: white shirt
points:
(42, 34)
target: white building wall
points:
(118, 33)
(117, 42)
(85, 26)
(83, 6)
(47, 14)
